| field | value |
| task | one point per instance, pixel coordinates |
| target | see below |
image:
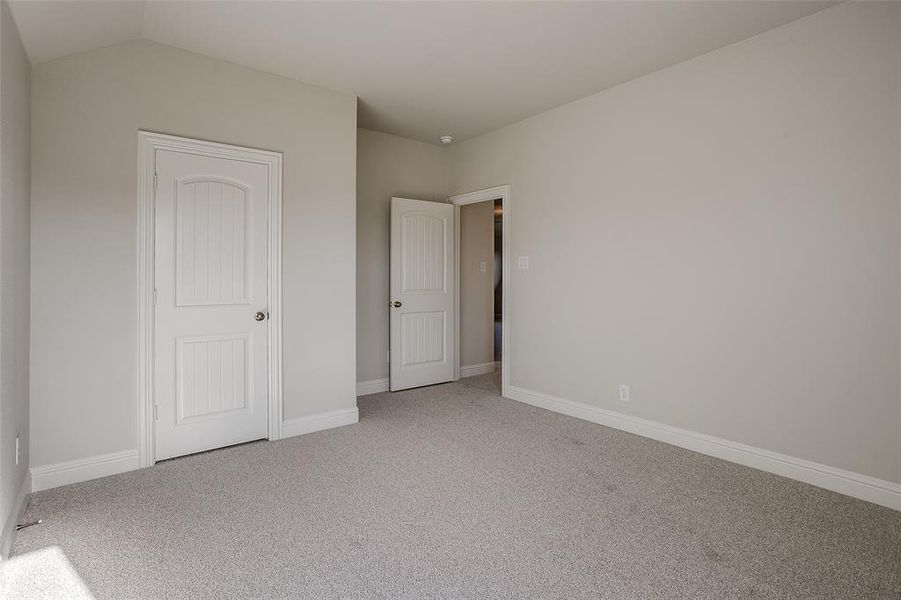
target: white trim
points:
(493, 193)
(373, 386)
(502, 192)
(20, 503)
(84, 469)
(319, 422)
(849, 483)
(148, 144)
(473, 370)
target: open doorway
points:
(478, 278)
(498, 280)
(483, 283)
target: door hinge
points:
(388, 356)
(154, 296)
(155, 180)
(156, 412)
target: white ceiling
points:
(421, 69)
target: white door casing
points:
(501, 192)
(215, 198)
(421, 306)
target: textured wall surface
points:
(387, 166)
(722, 235)
(14, 251)
(87, 110)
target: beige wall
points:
(14, 285)
(86, 112)
(387, 166)
(723, 236)
(476, 287)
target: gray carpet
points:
(453, 492)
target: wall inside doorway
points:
(476, 284)
(498, 279)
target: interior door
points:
(210, 338)
(421, 306)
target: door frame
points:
(148, 144)
(501, 192)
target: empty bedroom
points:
(439, 299)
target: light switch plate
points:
(483, 266)
(523, 263)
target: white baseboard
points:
(20, 503)
(473, 370)
(326, 420)
(867, 488)
(74, 471)
(373, 386)
(377, 386)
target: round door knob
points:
(397, 304)
(259, 316)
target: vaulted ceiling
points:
(421, 69)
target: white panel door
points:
(421, 306)
(210, 338)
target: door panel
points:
(213, 375)
(211, 253)
(211, 263)
(423, 263)
(423, 337)
(422, 293)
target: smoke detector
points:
(447, 139)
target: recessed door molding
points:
(149, 143)
(501, 192)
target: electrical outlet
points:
(624, 393)
(483, 266)
(523, 263)
(17, 449)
